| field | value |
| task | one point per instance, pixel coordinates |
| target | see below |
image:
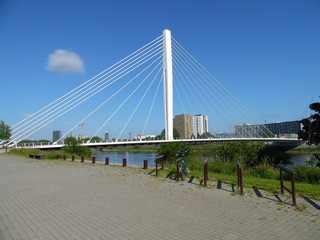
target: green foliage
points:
(5, 131)
(311, 126)
(72, 146)
(307, 174)
(162, 136)
(245, 152)
(171, 150)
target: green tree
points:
(171, 150)
(311, 126)
(176, 134)
(5, 131)
(72, 146)
(206, 135)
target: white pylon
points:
(167, 84)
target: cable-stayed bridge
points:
(144, 91)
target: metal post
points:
(293, 190)
(162, 163)
(240, 178)
(107, 161)
(124, 162)
(145, 164)
(167, 84)
(93, 159)
(157, 168)
(281, 181)
(205, 173)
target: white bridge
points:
(181, 73)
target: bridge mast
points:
(167, 84)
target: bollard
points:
(64, 157)
(107, 161)
(240, 177)
(205, 173)
(72, 158)
(82, 159)
(124, 162)
(93, 159)
(145, 164)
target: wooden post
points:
(82, 159)
(293, 190)
(124, 162)
(205, 173)
(281, 181)
(64, 157)
(72, 158)
(107, 161)
(93, 159)
(145, 164)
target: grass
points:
(51, 155)
(251, 180)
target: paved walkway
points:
(42, 199)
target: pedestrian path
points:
(49, 199)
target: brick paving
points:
(43, 199)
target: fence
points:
(292, 178)
(159, 160)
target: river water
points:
(137, 158)
(132, 158)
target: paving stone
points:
(71, 200)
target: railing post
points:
(157, 168)
(162, 163)
(82, 159)
(145, 164)
(205, 172)
(72, 157)
(93, 159)
(177, 177)
(281, 181)
(124, 162)
(293, 190)
(107, 161)
(240, 177)
(64, 157)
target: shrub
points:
(307, 174)
(263, 172)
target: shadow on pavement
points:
(312, 203)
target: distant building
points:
(288, 129)
(56, 135)
(183, 123)
(200, 125)
(106, 137)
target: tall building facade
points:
(200, 125)
(56, 135)
(106, 137)
(184, 124)
(288, 129)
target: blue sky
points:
(267, 53)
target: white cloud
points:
(64, 61)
